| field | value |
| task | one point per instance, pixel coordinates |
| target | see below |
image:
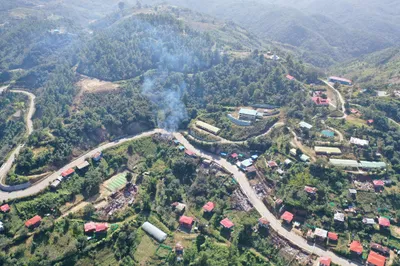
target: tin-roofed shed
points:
(156, 233)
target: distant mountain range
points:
(326, 32)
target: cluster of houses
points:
(319, 98)
(65, 175)
(378, 253)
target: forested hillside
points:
(170, 69)
(380, 70)
(12, 126)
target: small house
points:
(356, 247)
(287, 217)
(359, 142)
(179, 207)
(97, 156)
(55, 184)
(385, 251)
(101, 227)
(321, 234)
(251, 171)
(83, 165)
(375, 259)
(176, 142)
(1, 226)
(234, 157)
(246, 163)
(333, 236)
(288, 161)
(178, 249)
(181, 148)
(5, 208)
(33, 222)
(254, 157)
(305, 125)
(90, 227)
(338, 217)
(368, 221)
(263, 222)
(352, 193)
(293, 152)
(319, 101)
(304, 158)
(272, 164)
(209, 207)
(370, 122)
(280, 171)
(325, 261)
(67, 173)
(289, 77)
(186, 221)
(310, 190)
(384, 222)
(189, 153)
(227, 224)
(378, 184)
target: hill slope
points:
(377, 70)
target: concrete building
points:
(247, 114)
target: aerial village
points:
(304, 143)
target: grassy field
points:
(145, 250)
(116, 182)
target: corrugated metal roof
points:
(248, 112)
(208, 127)
(305, 125)
(328, 150)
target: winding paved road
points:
(341, 99)
(5, 168)
(238, 175)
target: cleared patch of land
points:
(90, 85)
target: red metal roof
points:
(89, 227)
(356, 246)
(272, 164)
(287, 216)
(289, 77)
(227, 223)
(190, 153)
(209, 206)
(263, 220)
(370, 121)
(5, 208)
(320, 101)
(311, 190)
(333, 236)
(384, 221)
(378, 183)
(234, 155)
(376, 259)
(33, 221)
(325, 261)
(68, 172)
(185, 220)
(101, 227)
